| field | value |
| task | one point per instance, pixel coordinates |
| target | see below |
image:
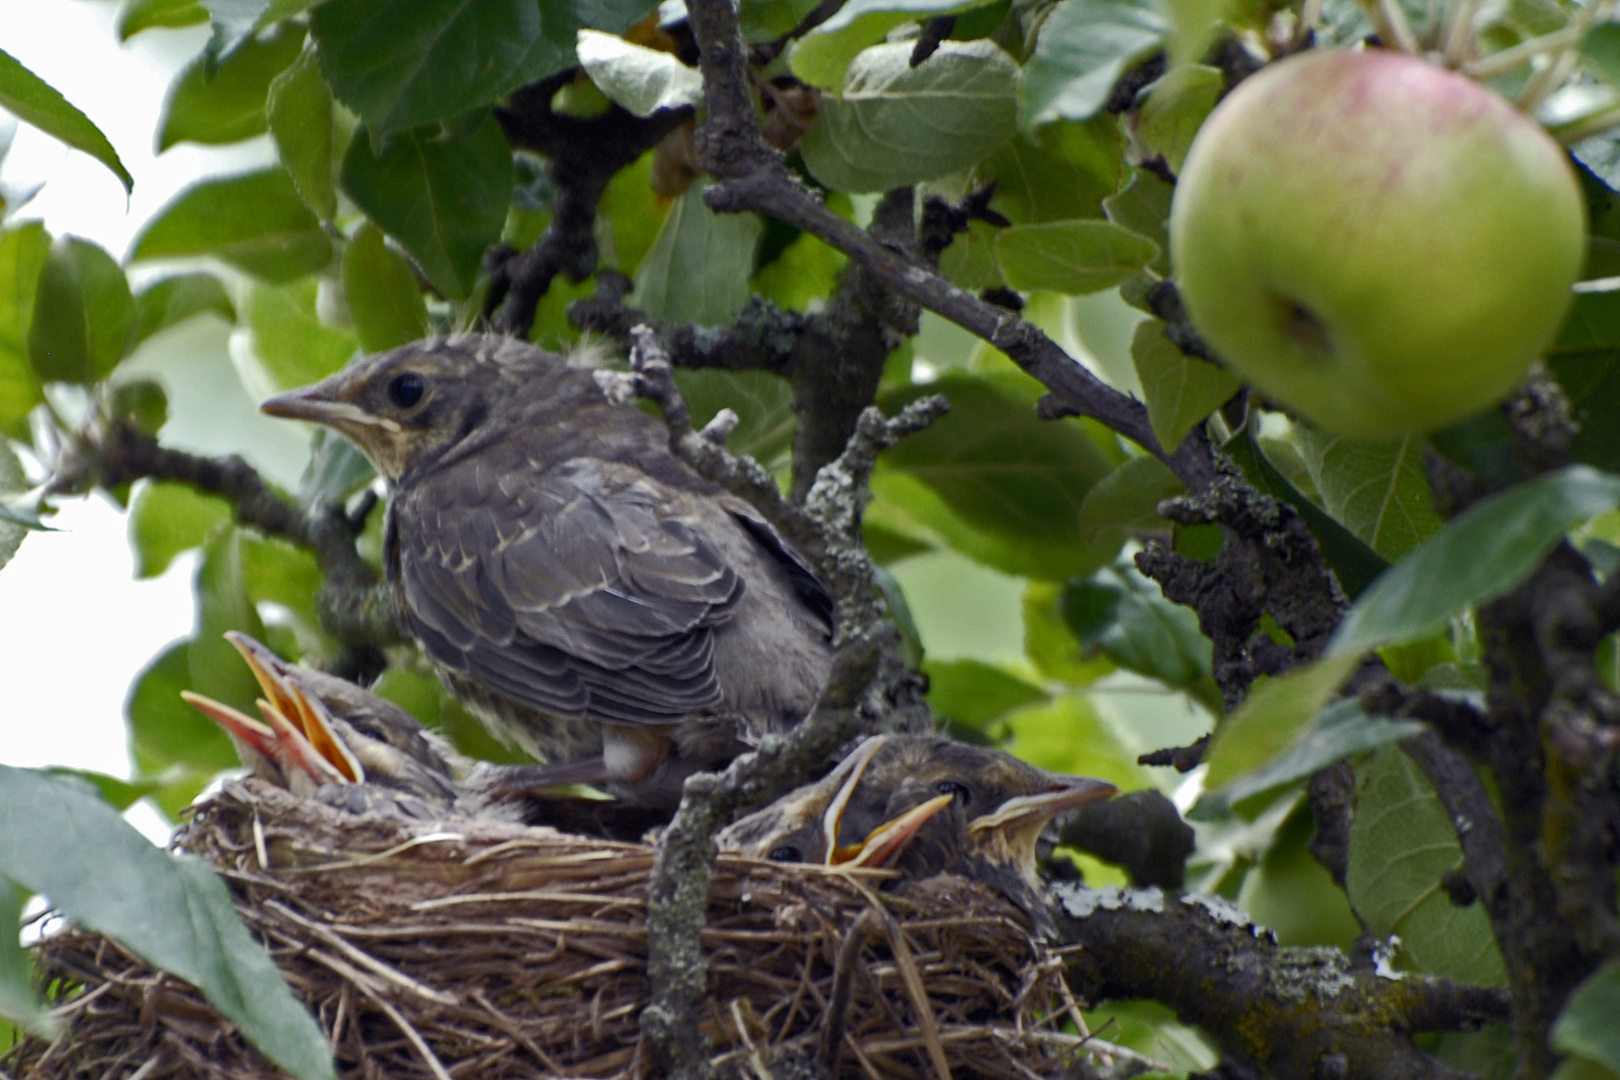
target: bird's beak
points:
(887, 840)
(238, 725)
(1070, 792)
(852, 768)
(310, 403)
(304, 715)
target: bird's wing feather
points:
(577, 590)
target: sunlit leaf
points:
(291, 346)
(19, 1000)
(137, 15)
(640, 79)
(174, 299)
(1274, 717)
(163, 730)
(299, 113)
(1122, 614)
(166, 519)
(1377, 490)
(226, 105)
(1074, 257)
(34, 101)
(1480, 554)
(1586, 1026)
(23, 251)
(1175, 109)
(256, 222)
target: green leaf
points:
(175, 299)
(906, 507)
(1057, 172)
(1274, 717)
(1401, 844)
(640, 79)
(1341, 730)
(1181, 390)
(256, 222)
(22, 256)
(1592, 381)
(973, 693)
(167, 519)
(1074, 257)
(138, 15)
(19, 1000)
(763, 403)
(163, 730)
(970, 261)
(116, 793)
(1124, 615)
(1143, 207)
(1175, 109)
(290, 345)
(33, 101)
(299, 114)
(226, 105)
(998, 466)
(914, 10)
(1354, 563)
(385, 299)
(1600, 48)
(698, 268)
(1480, 554)
(1377, 490)
(276, 572)
(171, 911)
(1083, 48)
(765, 20)
(1586, 1026)
(1126, 501)
(407, 63)
(442, 197)
(894, 124)
(84, 315)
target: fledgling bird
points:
(803, 826)
(990, 831)
(583, 591)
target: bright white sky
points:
(75, 626)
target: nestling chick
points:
(582, 590)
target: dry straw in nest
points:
(490, 950)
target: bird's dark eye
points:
(405, 390)
(785, 853)
(954, 787)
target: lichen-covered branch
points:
(354, 606)
(1289, 1012)
(868, 686)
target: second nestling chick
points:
(580, 588)
(990, 832)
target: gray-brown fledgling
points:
(582, 590)
(803, 825)
(990, 831)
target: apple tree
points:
(1280, 481)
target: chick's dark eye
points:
(406, 390)
(954, 787)
(785, 853)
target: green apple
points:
(1380, 244)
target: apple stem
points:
(1592, 123)
(1392, 26)
(1458, 36)
(1559, 42)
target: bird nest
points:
(491, 950)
